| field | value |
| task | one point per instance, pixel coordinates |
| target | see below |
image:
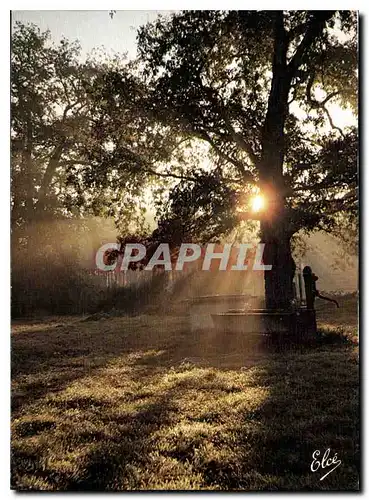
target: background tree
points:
(53, 146)
(57, 143)
(48, 119)
(78, 149)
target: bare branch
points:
(293, 98)
(333, 126)
(146, 169)
(169, 175)
(69, 107)
(331, 96)
(310, 141)
(322, 104)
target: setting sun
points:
(257, 203)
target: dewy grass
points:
(142, 403)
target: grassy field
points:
(139, 403)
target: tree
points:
(56, 144)
(47, 102)
(234, 80)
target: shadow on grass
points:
(336, 336)
(312, 405)
(303, 403)
(48, 357)
(148, 406)
(118, 463)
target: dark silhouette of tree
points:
(219, 104)
(231, 79)
(56, 145)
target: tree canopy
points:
(218, 105)
(257, 86)
(193, 111)
(58, 168)
(211, 74)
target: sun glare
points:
(257, 203)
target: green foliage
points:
(48, 98)
(202, 210)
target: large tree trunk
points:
(274, 228)
(47, 179)
(277, 253)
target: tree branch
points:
(69, 107)
(333, 126)
(314, 29)
(240, 167)
(322, 104)
(238, 138)
(149, 170)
